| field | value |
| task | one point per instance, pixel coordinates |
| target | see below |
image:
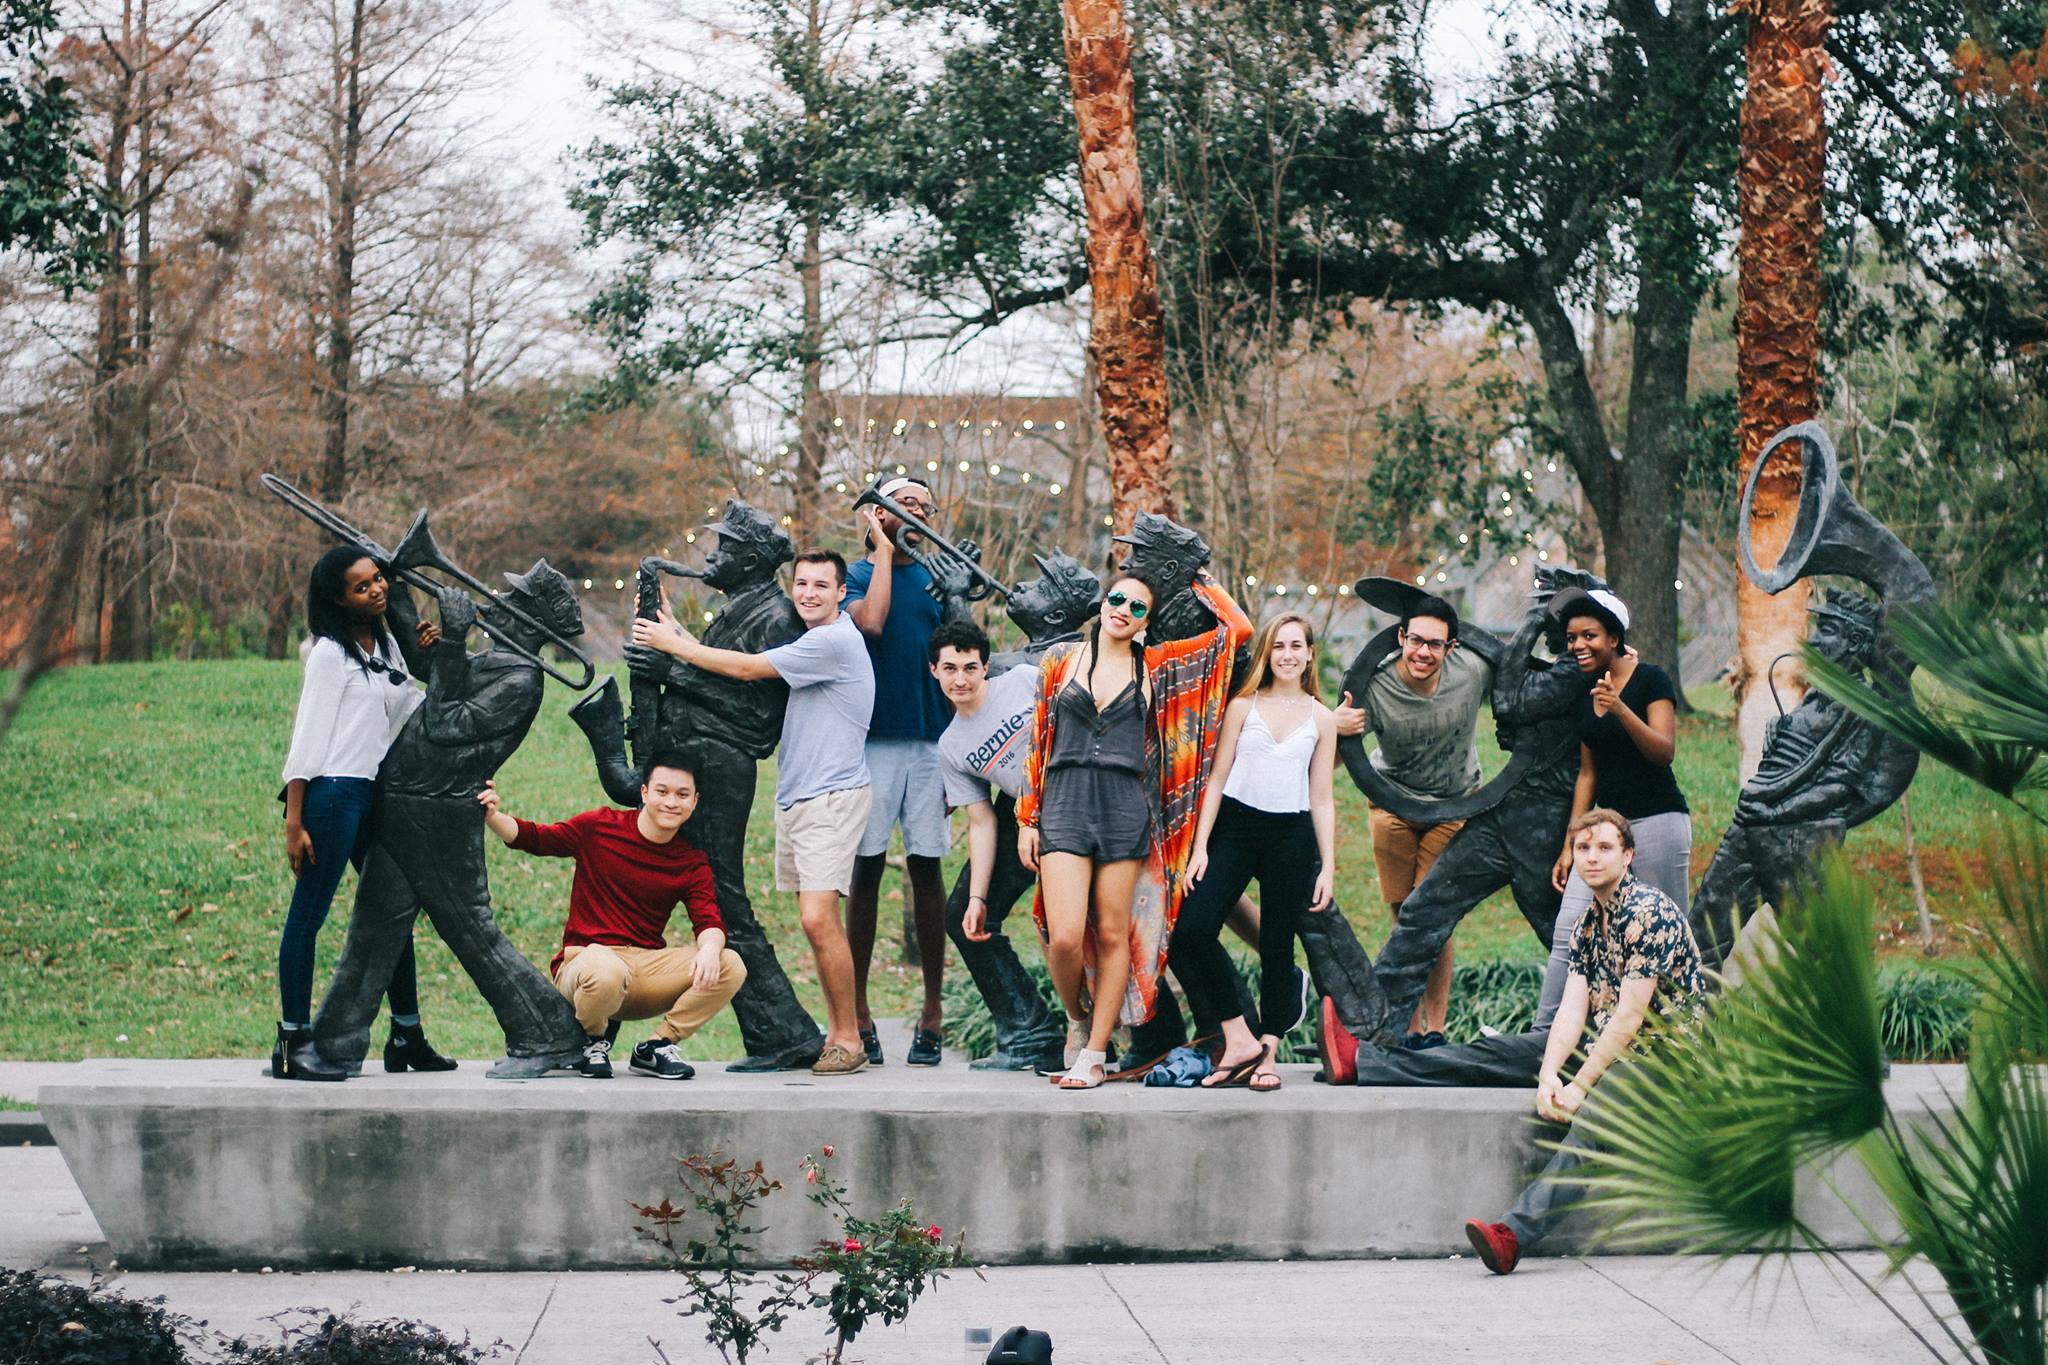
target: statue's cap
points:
(744, 521)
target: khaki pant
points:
(605, 981)
(1405, 852)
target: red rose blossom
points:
(853, 1245)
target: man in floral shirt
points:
(1633, 956)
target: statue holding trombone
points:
(427, 848)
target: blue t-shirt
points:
(908, 702)
(824, 728)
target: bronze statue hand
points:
(458, 612)
(647, 663)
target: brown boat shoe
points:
(839, 1061)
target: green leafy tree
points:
(736, 204)
(50, 207)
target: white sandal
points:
(1089, 1070)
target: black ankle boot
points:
(408, 1049)
(294, 1058)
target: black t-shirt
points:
(1624, 779)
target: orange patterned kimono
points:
(1190, 686)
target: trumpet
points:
(982, 582)
(418, 552)
(655, 564)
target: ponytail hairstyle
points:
(326, 618)
(1260, 673)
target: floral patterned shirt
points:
(1638, 932)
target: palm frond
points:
(2004, 767)
(2003, 675)
(2015, 975)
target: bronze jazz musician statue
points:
(725, 726)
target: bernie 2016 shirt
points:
(1623, 780)
(991, 745)
(825, 725)
(908, 702)
(626, 886)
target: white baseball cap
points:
(1607, 604)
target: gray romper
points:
(1095, 802)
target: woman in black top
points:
(1628, 736)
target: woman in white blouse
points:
(357, 694)
(1268, 812)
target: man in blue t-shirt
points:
(889, 596)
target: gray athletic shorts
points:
(910, 791)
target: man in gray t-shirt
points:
(821, 784)
(1423, 702)
(985, 747)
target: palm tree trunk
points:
(1777, 316)
(1126, 341)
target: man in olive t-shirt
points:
(1423, 703)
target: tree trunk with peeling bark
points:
(1777, 320)
(1126, 336)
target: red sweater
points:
(625, 888)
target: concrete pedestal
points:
(197, 1165)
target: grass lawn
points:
(143, 884)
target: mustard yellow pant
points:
(603, 982)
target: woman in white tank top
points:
(1268, 813)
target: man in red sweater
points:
(632, 867)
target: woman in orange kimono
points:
(1122, 740)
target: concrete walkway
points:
(1611, 1309)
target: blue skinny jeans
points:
(336, 813)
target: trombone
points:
(417, 552)
(981, 581)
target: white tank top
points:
(1269, 774)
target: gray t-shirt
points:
(990, 746)
(825, 727)
(1427, 747)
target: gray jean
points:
(1663, 859)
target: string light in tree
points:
(586, 585)
(1056, 490)
(618, 585)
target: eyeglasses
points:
(921, 510)
(1417, 642)
(1125, 600)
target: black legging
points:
(1280, 851)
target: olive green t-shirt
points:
(1427, 744)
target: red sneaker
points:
(1338, 1048)
(1495, 1242)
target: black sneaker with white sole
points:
(596, 1062)
(659, 1058)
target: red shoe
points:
(1495, 1242)
(1338, 1048)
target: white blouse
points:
(348, 715)
(1268, 774)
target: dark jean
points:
(1280, 851)
(336, 814)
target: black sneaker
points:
(1422, 1042)
(596, 1062)
(659, 1058)
(924, 1048)
(871, 1043)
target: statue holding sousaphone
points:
(426, 848)
(1824, 770)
